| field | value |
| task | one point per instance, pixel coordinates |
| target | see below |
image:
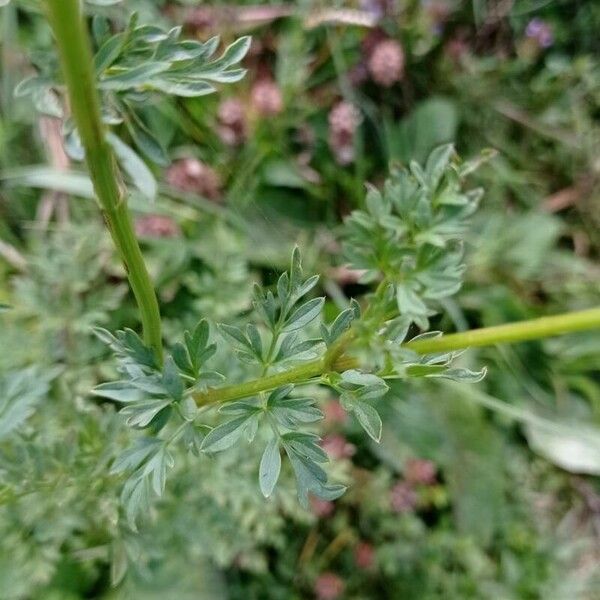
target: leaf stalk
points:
(488, 336)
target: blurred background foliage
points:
(485, 492)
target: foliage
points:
(451, 491)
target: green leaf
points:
(47, 178)
(20, 393)
(126, 78)
(291, 412)
(304, 314)
(409, 302)
(437, 163)
(234, 334)
(574, 447)
(270, 467)
(47, 102)
(425, 370)
(120, 391)
(171, 380)
(139, 174)
(253, 336)
(339, 326)
(369, 419)
(185, 89)
(137, 454)
(192, 437)
(224, 436)
(135, 497)
(464, 375)
(156, 469)
(146, 141)
(304, 455)
(141, 414)
(235, 52)
(109, 52)
(182, 359)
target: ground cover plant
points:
(307, 313)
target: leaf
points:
(235, 334)
(135, 497)
(135, 348)
(434, 121)
(573, 447)
(47, 102)
(409, 301)
(182, 358)
(193, 436)
(171, 380)
(464, 375)
(253, 336)
(47, 178)
(185, 89)
(425, 370)
(437, 163)
(304, 314)
(141, 414)
(304, 455)
(339, 326)
(109, 52)
(120, 391)
(197, 340)
(156, 469)
(293, 412)
(118, 562)
(145, 140)
(270, 467)
(235, 52)
(365, 384)
(127, 78)
(224, 436)
(135, 167)
(20, 394)
(369, 419)
(131, 458)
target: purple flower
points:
(540, 31)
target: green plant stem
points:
(336, 361)
(75, 54)
(511, 332)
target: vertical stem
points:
(75, 53)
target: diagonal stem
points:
(75, 54)
(338, 362)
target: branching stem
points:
(76, 60)
(336, 361)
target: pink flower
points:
(539, 31)
(321, 508)
(192, 175)
(344, 118)
(329, 586)
(232, 128)
(334, 413)
(403, 497)
(337, 446)
(418, 470)
(386, 63)
(364, 555)
(266, 98)
(156, 226)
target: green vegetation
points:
(411, 410)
